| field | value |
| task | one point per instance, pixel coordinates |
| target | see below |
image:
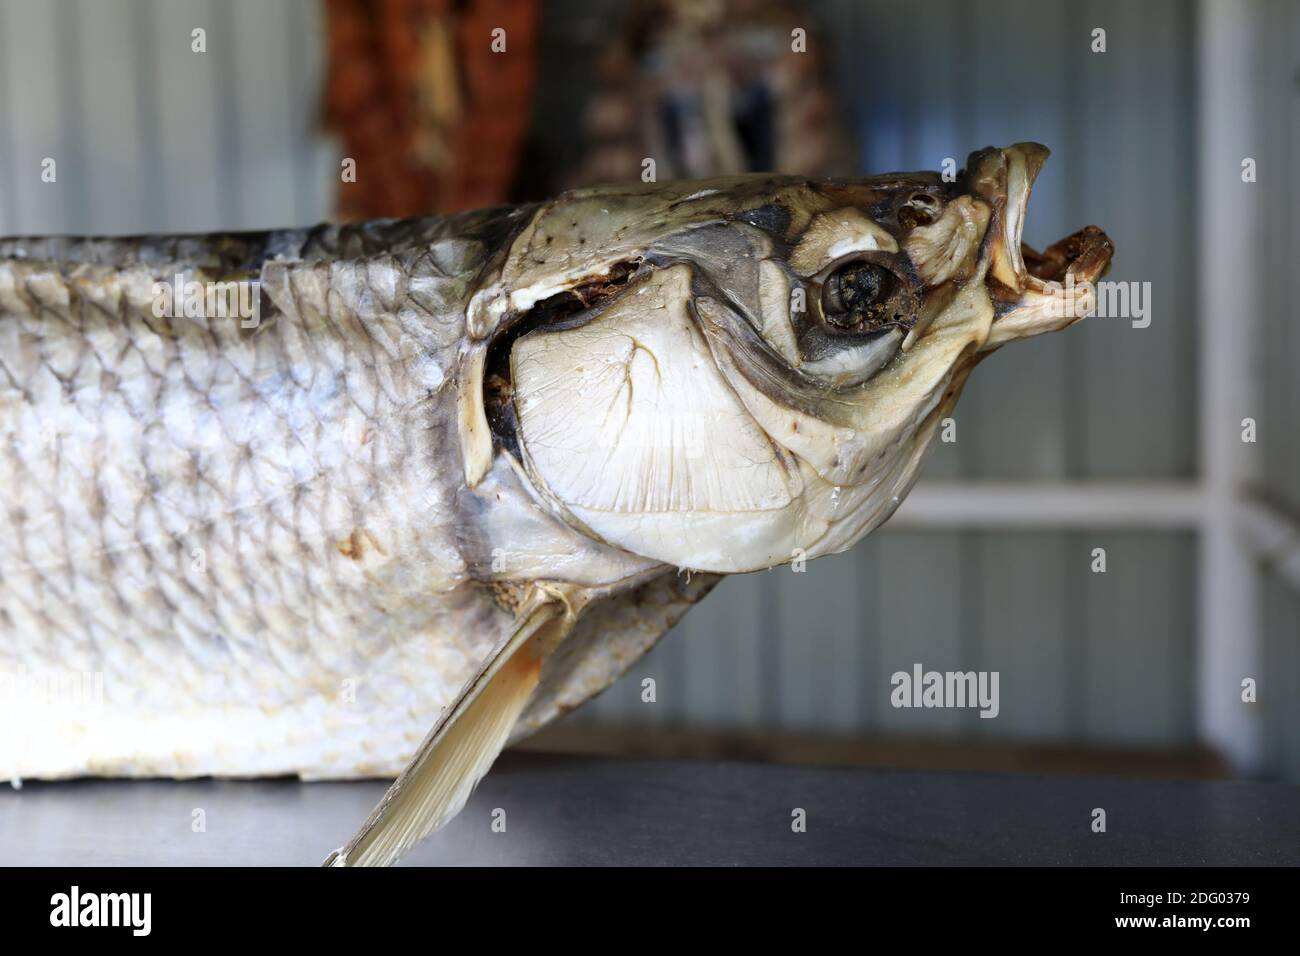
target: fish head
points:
(739, 373)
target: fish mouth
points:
(1033, 292)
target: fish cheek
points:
(628, 427)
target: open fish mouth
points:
(1033, 292)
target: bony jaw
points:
(1033, 292)
(763, 377)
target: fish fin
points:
(464, 742)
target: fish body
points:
(461, 472)
(245, 549)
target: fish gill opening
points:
(564, 310)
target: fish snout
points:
(1033, 292)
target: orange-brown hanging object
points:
(432, 99)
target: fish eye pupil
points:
(853, 291)
(862, 285)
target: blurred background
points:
(202, 115)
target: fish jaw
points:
(1032, 292)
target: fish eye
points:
(858, 295)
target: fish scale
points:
(229, 524)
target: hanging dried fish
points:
(296, 497)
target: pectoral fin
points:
(464, 742)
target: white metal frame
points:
(1229, 641)
(1238, 536)
(1164, 506)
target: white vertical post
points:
(1228, 646)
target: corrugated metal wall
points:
(150, 136)
(1278, 359)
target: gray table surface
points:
(563, 810)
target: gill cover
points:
(631, 428)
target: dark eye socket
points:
(858, 294)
